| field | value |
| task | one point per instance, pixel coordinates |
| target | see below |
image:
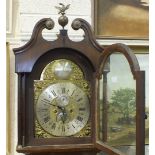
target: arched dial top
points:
(62, 69)
(63, 109)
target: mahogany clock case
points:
(30, 61)
(35, 75)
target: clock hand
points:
(59, 107)
(64, 116)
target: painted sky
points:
(120, 75)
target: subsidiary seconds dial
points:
(63, 109)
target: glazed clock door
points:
(121, 104)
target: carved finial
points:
(63, 20)
(62, 9)
(49, 24)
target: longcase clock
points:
(58, 90)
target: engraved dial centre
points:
(63, 100)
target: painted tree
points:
(123, 101)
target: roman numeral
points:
(42, 110)
(82, 109)
(63, 90)
(53, 126)
(45, 100)
(79, 99)
(53, 92)
(79, 118)
(72, 92)
(63, 128)
(73, 126)
(49, 96)
(46, 119)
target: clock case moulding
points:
(31, 59)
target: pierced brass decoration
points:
(48, 77)
(41, 133)
(86, 131)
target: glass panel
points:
(118, 105)
(103, 104)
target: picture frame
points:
(121, 19)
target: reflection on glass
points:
(118, 105)
(117, 99)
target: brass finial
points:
(63, 20)
(62, 9)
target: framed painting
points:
(122, 19)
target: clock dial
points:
(62, 69)
(63, 109)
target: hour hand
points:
(59, 107)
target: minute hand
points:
(56, 106)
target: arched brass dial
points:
(63, 109)
(62, 69)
